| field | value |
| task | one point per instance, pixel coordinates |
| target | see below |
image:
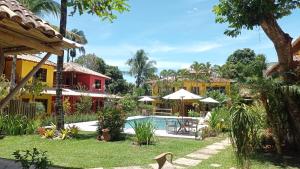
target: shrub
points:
(18, 125)
(84, 104)
(144, 132)
(50, 133)
(111, 118)
(67, 105)
(193, 113)
(35, 158)
(208, 132)
(39, 108)
(220, 119)
(128, 104)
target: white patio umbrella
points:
(209, 100)
(146, 99)
(182, 95)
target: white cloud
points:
(125, 49)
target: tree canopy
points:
(244, 64)
(249, 14)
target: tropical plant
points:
(35, 158)
(217, 95)
(67, 105)
(144, 132)
(84, 105)
(141, 68)
(79, 37)
(42, 7)
(18, 125)
(111, 118)
(243, 133)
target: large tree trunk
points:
(283, 45)
(60, 61)
(2, 61)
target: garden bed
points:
(86, 152)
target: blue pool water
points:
(158, 122)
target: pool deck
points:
(92, 126)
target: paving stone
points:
(198, 156)
(97, 168)
(155, 166)
(216, 165)
(215, 147)
(129, 167)
(207, 151)
(187, 162)
(232, 168)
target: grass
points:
(86, 152)
(226, 158)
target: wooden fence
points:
(18, 107)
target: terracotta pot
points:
(105, 135)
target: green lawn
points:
(87, 152)
(227, 159)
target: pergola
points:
(22, 32)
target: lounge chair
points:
(164, 162)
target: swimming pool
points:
(158, 121)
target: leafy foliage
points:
(241, 14)
(42, 7)
(141, 67)
(243, 133)
(243, 65)
(84, 105)
(144, 132)
(111, 118)
(128, 104)
(101, 8)
(4, 86)
(18, 125)
(35, 158)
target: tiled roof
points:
(33, 58)
(74, 67)
(14, 11)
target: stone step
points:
(207, 151)
(129, 167)
(198, 156)
(187, 162)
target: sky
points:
(174, 33)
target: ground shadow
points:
(284, 161)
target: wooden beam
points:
(22, 40)
(19, 50)
(2, 60)
(11, 94)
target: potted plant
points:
(105, 134)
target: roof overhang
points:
(21, 32)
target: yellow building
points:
(25, 64)
(196, 87)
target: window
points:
(41, 74)
(195, 90)
(97, 84)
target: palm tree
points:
(79, 37)
(42, 7)
(140, 67)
